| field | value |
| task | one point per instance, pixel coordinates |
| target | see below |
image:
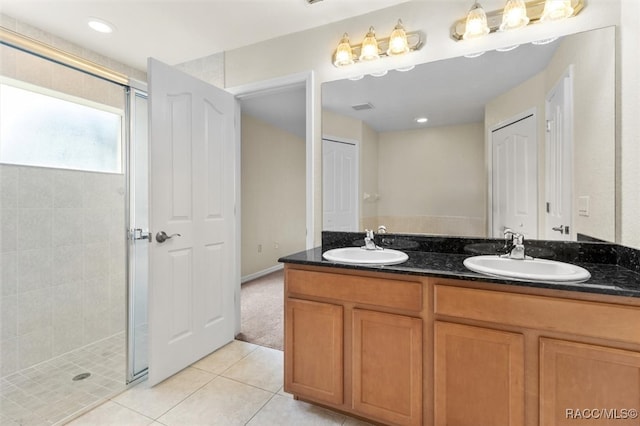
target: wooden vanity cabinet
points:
(479, 376)
(355, 343)
(387, 367)
(407, 350)
(313, 350)
(575, 377)
(504, 358)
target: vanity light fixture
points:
(421, 120)
(400, 42)
(516, 14)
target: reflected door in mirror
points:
(339, 186)
(515, 178)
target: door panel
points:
(579, 380)
(515, 178)
(314, 350)
(339, 186)
(192, 190)
(387, 367)
(479, 376)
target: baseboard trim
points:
(261, 273)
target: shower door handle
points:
(139, 234)
(162, 236)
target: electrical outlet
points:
(276, 245)
(259, 248)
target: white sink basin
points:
(360, 256)
(528, 269)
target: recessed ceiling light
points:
(100, 26)
(421, 120)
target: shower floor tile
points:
(45, 394)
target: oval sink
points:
(528, 269)
(360, 256)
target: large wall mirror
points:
(521, 139)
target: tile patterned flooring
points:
(45, 394)
(240, 384)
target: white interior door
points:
(515, 178)
(558, 160)
(339, 186)
(192, 197)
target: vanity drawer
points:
(369, 291)
(601, 320)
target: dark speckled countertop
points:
(615, 270)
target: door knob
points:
(563, 229)
(162, 236)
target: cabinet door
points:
(479, 376)
(581, 381)
(387, 367)
(313, 350)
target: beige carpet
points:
(262, 311)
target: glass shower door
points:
(138, 236)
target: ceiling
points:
(176, 31)
(448, 92)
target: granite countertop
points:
(609, 278)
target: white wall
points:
(408, 175)
(593, 63)
(433, 180)
(273, 58)
(273, 195)
(628, 232)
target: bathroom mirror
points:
(475, 167)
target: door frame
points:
(356, 144)
(261, 87)
(489, 162)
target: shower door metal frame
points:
(134, 89)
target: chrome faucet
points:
(369, 240)
(514, 244)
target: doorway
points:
(559, 160)
(275, 173)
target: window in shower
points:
(45, 128)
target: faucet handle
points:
(518, 239)
(369, 233)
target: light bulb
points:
(343, 55)
(514, 15)
(369, 50)
(398, 44)
(556, 10)
(476, 23)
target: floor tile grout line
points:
(261, 408)
(187, 396)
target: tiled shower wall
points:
(62, 262)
